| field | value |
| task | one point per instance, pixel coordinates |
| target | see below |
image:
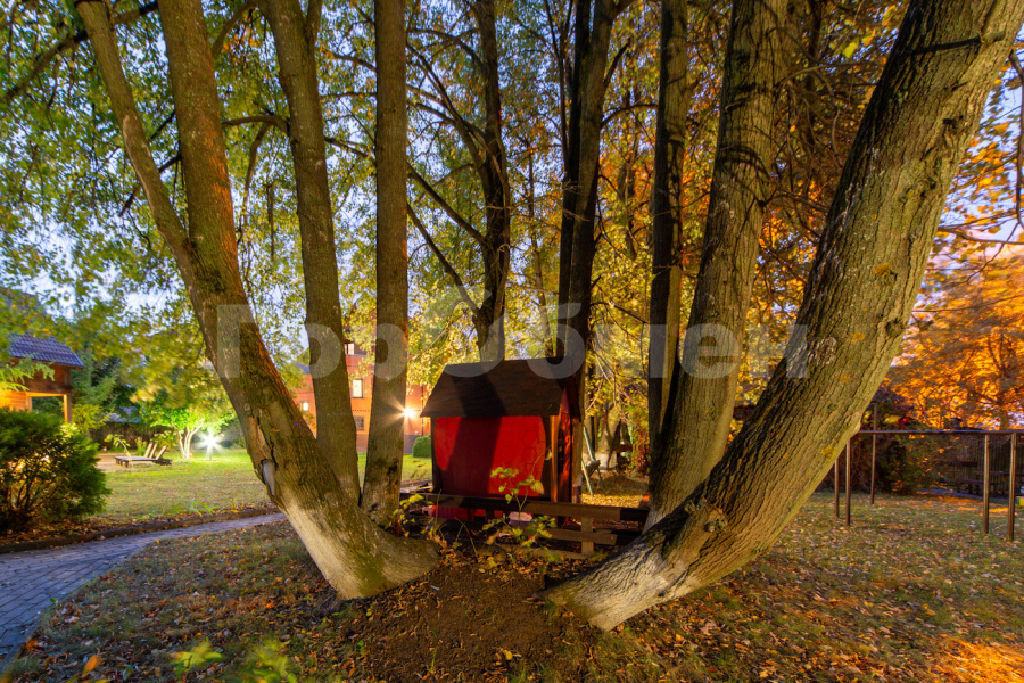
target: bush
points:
(421, 447)
(45, 473)
(905, 466)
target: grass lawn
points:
(912, 592)
(196, 486)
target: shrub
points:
(46, 472)
(905, 466)
(87, 417)
(421, 447)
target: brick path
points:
(31, 580)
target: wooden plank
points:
(835, 487)
(575, 459)
(45, 386)
(874, 449)
(539, 507)
(435, 474)
(598, 536)
(553, 423)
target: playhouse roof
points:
(507, 388)
(46, 350)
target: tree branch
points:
(267, 119)
(69, 42)
(230, 23)
(445, 263)
(101, 32)
(456, 217)
(253, 150)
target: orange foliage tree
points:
(964, 356)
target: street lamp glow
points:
(209, 441)
(411, 413)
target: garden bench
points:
(997, 484)
(127, 461)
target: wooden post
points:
(1011, 503)
(849, 517)
(556, 460)
(835, 487)
(986, 484)
(435, 474)
(587, 527)
(874, 448)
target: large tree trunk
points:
(862, 287)
(579, 184)
(675, 92)
(497, 191)
(705, 393)
(387, 410)
(535, 256)
(578, 244)
(335, 425)
(355, 555)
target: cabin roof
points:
(46, 350)
(507, 388)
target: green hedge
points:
(421, 447)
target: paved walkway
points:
(30, 581)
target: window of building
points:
(350, 349)
(357, 388)
(305, 406)
(360, 423)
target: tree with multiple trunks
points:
(717, 501)
(312, 479)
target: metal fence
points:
(972, 461)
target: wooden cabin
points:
(514, 415)
(61, 361)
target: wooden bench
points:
(586, 535)
(126, 461)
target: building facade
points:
(360, 378)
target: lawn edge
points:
(133, 530)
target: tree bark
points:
(497, 193)
(536, 258)
(579, 185)
(705, 394)
(355, 555)
(486, 149)
(387, 409)
(578, 239)
(863, 283)
(675, 93)
(335, 425)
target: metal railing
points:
(986, 485)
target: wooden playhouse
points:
(495, 425)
